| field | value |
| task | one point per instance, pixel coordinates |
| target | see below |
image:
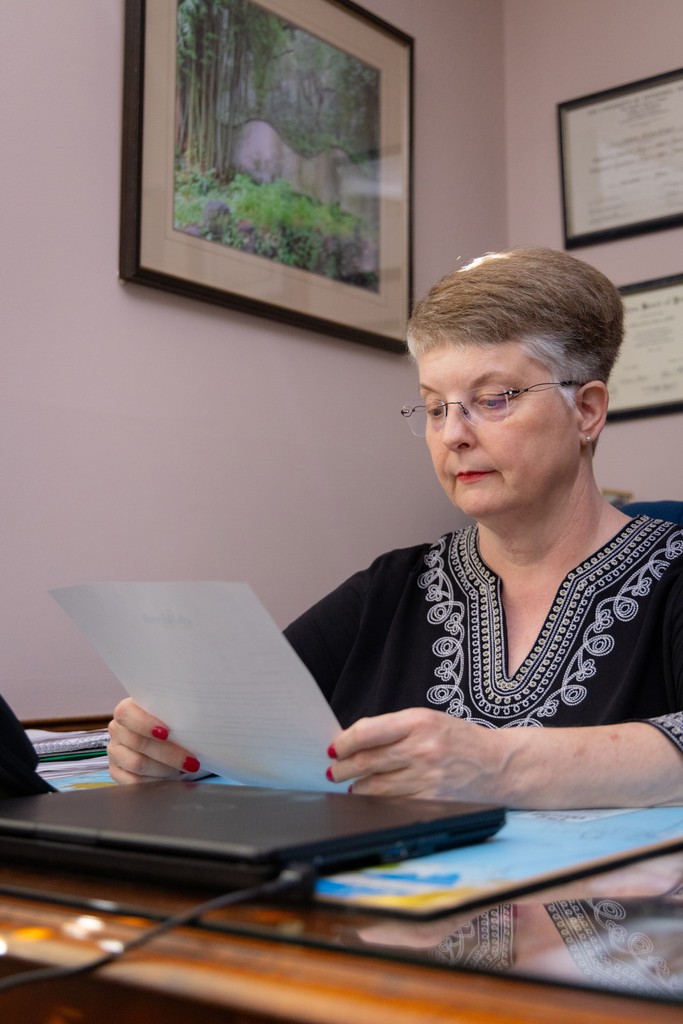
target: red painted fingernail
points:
(331, 752)
(159, 732)
(191, 764)
(350, 789)
(329, 775)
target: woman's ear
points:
(592, 400)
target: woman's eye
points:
(436, 412)
(491, 402)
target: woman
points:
(551, 630)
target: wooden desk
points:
(211, 974)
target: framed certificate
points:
(621, 154)
(648, 376)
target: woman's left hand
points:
(425, 753)
(419, 753)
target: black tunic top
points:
(425, 627)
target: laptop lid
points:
(212, 835)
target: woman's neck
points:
(554, 544)
(533, 561)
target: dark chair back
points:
(670, 511)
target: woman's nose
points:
(457, 428)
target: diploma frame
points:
(621, 160)
(647, 379)
(154, 253)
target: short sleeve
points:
(672, 727)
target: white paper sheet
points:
(209, 661)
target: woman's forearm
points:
(627, 765)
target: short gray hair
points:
(567, 314)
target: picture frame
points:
(301, 219)
(647, 379)
(621, 160)
(617, 498)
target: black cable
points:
(295, 877)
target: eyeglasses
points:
(479, 406)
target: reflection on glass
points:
(622, 931)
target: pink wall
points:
(130, 443)
(557, 50)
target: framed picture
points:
(617, 498)
(621, 155)
(267, 161)
(648, 376)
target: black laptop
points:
(205, 834)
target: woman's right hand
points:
(139, 748)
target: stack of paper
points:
(63, 754)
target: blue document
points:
(534, 849)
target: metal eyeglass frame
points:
(419, 425)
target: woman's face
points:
(520, 465)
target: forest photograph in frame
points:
(267, 161)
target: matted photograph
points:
(621, 156)
(647, 379)
(267, 161)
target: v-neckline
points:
(561, 606)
